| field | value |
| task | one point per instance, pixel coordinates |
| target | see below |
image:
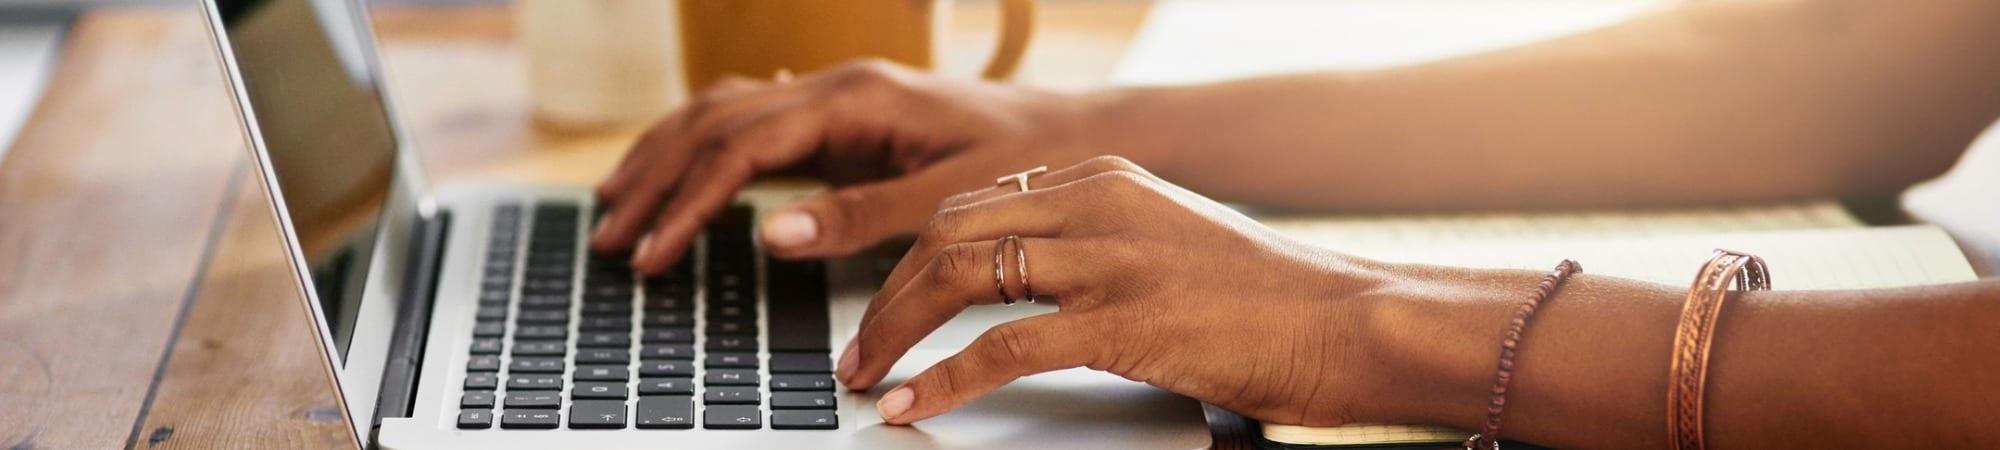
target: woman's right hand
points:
(893, 140)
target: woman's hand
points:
(903, 139)
(1152, 282)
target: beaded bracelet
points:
(1489, 436)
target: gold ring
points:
(1021, 179)
(1000, 267)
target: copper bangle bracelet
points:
(1489, 435)
(1692, 338)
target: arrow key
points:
(732, 418)
(668, 411)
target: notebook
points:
(1808, 246)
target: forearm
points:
(1780, 99)
(1907, 367)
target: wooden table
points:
(144, 299)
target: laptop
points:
(471, 315)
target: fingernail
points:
(598, 230)
(896, 403)
(848, 359)
(790, 228)
(644, 250)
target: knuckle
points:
(852, 208)
(867, 74)
(952, 261)
(945, 225)
(1112, 163)
(1010, 344)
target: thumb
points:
(848, 219)
(1003, 354)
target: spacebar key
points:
(798, 306)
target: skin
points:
(1703, 103)
(1300, 335)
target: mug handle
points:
(1017, 23)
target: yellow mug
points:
(755, 38)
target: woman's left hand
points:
(1153, 283)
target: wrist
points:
(1437, 332)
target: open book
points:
(1810, 246)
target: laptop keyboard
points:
(608, 350)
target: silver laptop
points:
(472, 317)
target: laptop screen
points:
(307, 70)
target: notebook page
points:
(1851, 258)
(1446, 229)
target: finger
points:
(628, 218)
(1003, 354)
(848, 219)
(1066, 175)
(1043, 212)
(772, 141)
(1032, 214)
(645, 151)
(961, 276)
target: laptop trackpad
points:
(1075, 408)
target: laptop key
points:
(533, 400)
(599, 339)
(602, 373)
(666, 368)
(541, 419)
(541, 332)
(732, 326)
(541, 364)
(805, 420)
(790, 362)
(799, 298)
(664, 319)
(540, 348)
(732, 342)
(492, 313)
(665, 412)
(603, 356)
(668, 335)
(480, 363)
(475, 419)
(667, 351)
(731, 377)
(730, 396)
(599, 390)
(546, 317)
(731, 360)
(482, 380)
(802, 400)
(618, 324)
(666, 386)
(597, 414)
(526, 382)
(476, 399)
(801, 382)
(486, 346)
(732, 418)
(602, 308)
(544, 301)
